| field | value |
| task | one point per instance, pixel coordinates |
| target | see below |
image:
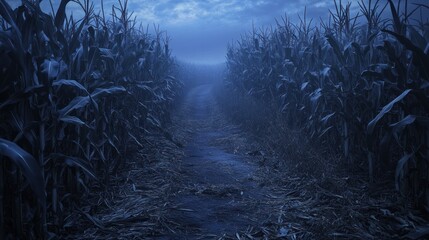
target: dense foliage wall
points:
(75, 96)
(362, 88)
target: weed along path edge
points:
(219, 196)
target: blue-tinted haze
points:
(200, 30)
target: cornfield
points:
(358, 83)
(76, 96)
(79, 96)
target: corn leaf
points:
(325, 131)
(99, 92)
(23, 95)
(61, 14)
(386, 109)
(399, 167)
(72, 120)
(420, 58)
(28, 165)
(50, 68)
(316, 95)
(76, 103)
(404, 122)
(335, 46)
(7, 14)
(325, 119)
(74, 162)
(396, 20)
(72, 83)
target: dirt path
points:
(223, 184)
(220, 196)
(208, 189)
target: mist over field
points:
(201, 30)
(186, 119)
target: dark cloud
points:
(200, 30)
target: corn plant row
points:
(75, 97)
(356, 82)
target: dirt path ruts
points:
(220, 196)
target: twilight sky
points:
(200, 30)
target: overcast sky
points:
(200, 30)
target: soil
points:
(220, 196)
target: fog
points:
(201, 30)
(205, 119)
